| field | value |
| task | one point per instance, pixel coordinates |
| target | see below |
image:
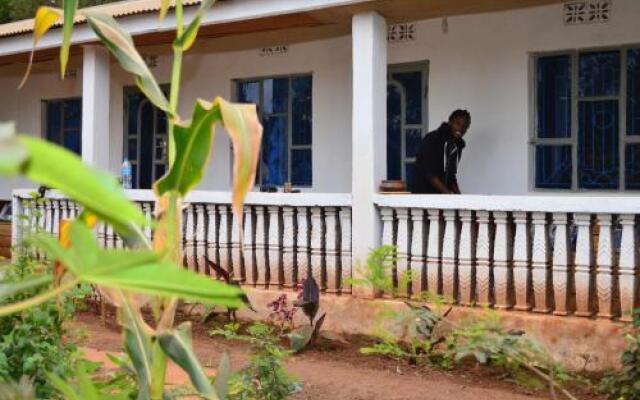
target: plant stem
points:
(172, 238)
(176, 71)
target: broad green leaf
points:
(45, 18)
(164, 8)
(10, 288)
(137, 346)
(84, 249)
(63, 387)
(167, 279)
(54, 250)
(176, 343)
(223, 374)
(188, 37)
(70, 7)
(193, 147)
(136, 270)
(86, 387)
(194, 141)
(56, 167)
(300, 337)
(121, 46)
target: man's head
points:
(459, 120)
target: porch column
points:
(95, 106)
(369, 36)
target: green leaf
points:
(223, 374)
(85, 248)
(138, 347)
(166, 279)
(176, 343)
(63, 387)
(121, 46)
(86, 387)
(193, 148)
(188, 37)
(56, 167)
(54, 250)
(70, 7)
(10, 288)
(136, 270)
(299, 338)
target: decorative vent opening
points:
(401, 33)
(587, 12)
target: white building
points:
(346, 88)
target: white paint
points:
(95, 106)
(539, 203)
(369, 32)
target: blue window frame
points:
(63, 123)
(406, 118)
(587, 130)
(285, 110)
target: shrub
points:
(36, 340)
(624, 384)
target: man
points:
(439, 155)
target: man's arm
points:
(437, 183)
(455, 188)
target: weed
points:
(265, 378)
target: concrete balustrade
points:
(562, 255)
(285, 237)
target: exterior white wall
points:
(209, 75)
(24, 107)
(482, 64)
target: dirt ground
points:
(340, 372)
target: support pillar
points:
(369, 35)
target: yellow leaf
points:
(164, 7)
(45, 18)
(244, 129)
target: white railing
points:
(566, 255)
(286, 236)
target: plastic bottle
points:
(125, 173)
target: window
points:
(145, 138)
(284, 107)
(63, 123)
(406, 119)
(587, 120)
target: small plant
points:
(486, 341)
(624, 384)
(421, 335)
(309, 302)
(265, 378)
(378, 272)
(281, 315)
(415, 325)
